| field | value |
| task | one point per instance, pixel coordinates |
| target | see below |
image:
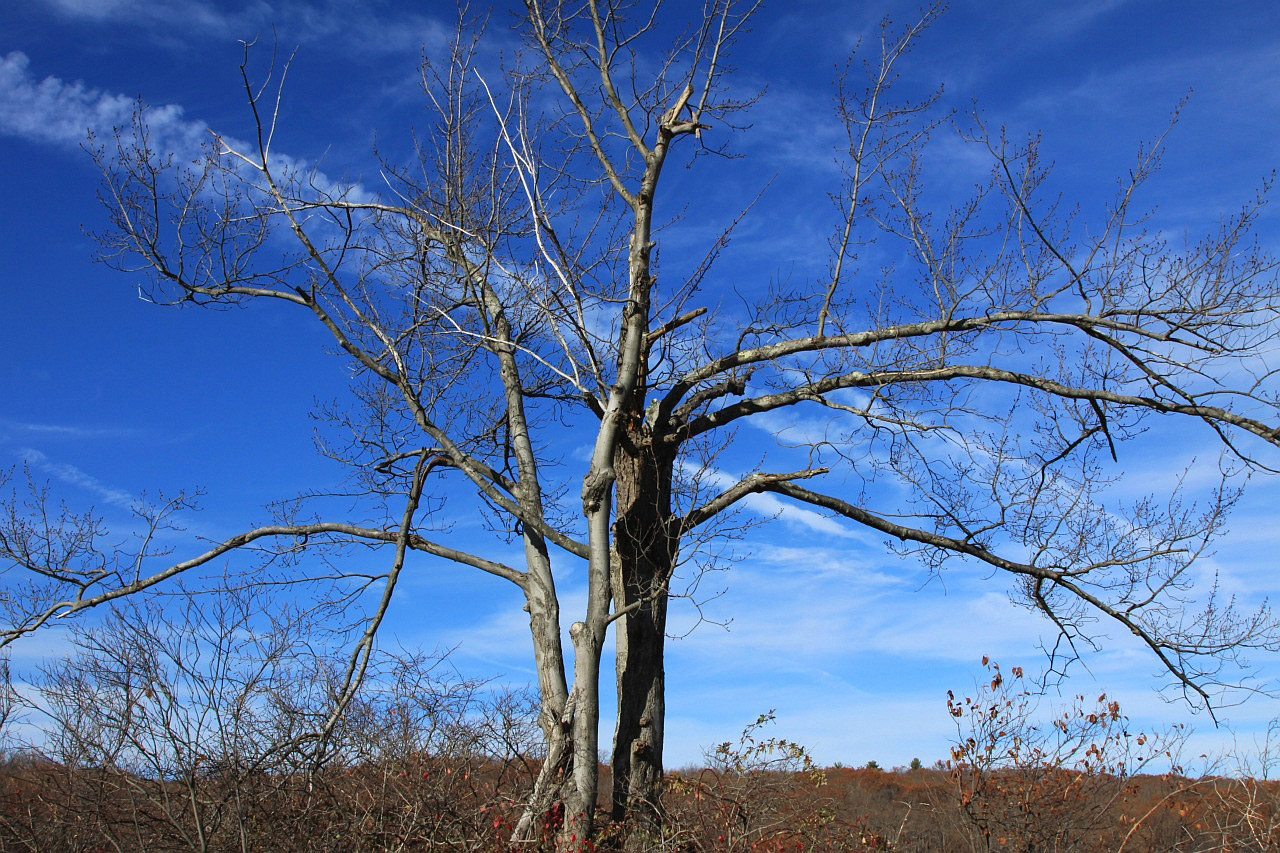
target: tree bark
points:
(645, 551)
(555, 715)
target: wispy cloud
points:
(771, 506)
(1068, 19)
(357, 26)
(73, 476)
(960, 629)
(1218, 80)
(182, 15)
(68, 431)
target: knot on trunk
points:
(594, 487)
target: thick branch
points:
(857, 379)
(299, 531)
(754, 484)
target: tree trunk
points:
(638, 740)
(545, 809)
(580, 803)
(644, 555)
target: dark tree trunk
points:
(644, 553)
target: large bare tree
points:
(502, 291)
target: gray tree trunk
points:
(645, 551)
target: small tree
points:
(504, 288)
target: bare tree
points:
(504, 288)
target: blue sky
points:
(108, 396)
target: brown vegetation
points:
(423, 760)
(422, 802)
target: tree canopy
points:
(544, 329)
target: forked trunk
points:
(544, 812)
(561, 806)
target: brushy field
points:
(454, 774)
(420, 803)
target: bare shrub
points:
(1240, 811)
(756, 793)
(1019, 784)
(201, 726)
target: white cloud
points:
(770, 506)
(73, 476)
(1067, 20)
(890, 726)
(51, 110)
(57, 112)
(958, 628)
